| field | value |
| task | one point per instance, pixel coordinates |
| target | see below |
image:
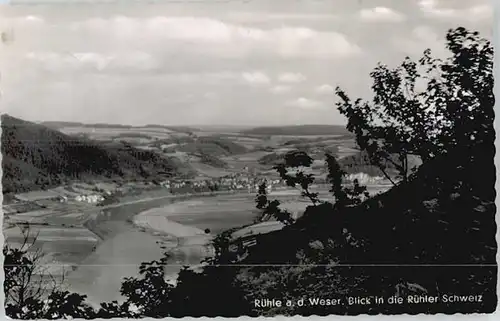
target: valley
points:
(95, 231)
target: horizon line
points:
(173, 125)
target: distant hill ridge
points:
(299, 130)
(182, 129)
(36, 156)
(62, 124)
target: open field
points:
(217, 213)
(207, 139)
(205, 170)
(63, 247)
(156, 219)
(247, 141)
(346, 151)
(222, 212)
(251, 157)
(110, 133)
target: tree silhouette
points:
(261, 202)
(149, 294)
(271, 208)
(31, 292)
(298, 161)
(344, 195)
(261, 198)
(425, 108)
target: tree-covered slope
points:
(35, 156)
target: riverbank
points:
(133, 232)
(192, 244)
(155, 220)
(100, 274)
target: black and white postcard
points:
(247, 158)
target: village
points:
(82, 196)
(99, 194)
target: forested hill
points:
(35, 156)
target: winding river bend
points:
(132, 233)
(136, 232)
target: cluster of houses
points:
(63, 194)
(364, 178)
(236, 182)
(91, 199)
(249, 183)
(89, 194)
(228, 183)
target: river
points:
(126, 245)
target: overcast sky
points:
(199, 62)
